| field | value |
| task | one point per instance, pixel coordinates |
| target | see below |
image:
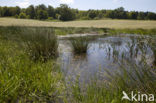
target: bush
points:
(22, 16)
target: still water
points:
(106, 53)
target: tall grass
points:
(41, 44)
(137, 79)
(80, 44)
(23, 81)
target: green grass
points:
(136, 79)
(80, 44)
(22, 80)
(132, 31)
(41, 44)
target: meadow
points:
(29, 72)
(110, 23)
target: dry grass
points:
(115, 24)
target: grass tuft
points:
(80, 44)
(41, 44)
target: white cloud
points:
(23, 4)
(116, 1)
(66, 1)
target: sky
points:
(130, 5)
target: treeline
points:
(65, 13)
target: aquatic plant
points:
(140, 80)
(80, 44)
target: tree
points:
(141, 16)
(51, 11)
(120, 9)
(110, 14)
(92, 14)
(41, 7)
(0, 11)
(151, 16)
(18, 10)
(31, 11)
(22, 16)
(66, 12)
(5, 11)
(133, 15)
(41, 14)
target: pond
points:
(106, 53)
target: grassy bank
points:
(23, 80)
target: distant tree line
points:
(65, 13)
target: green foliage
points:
(41, 44)
(50, 18)
(31, 12)
(110, 89)
(22, 80)
(58, 16)
(65, 12)
(51, 11)
(41, 14)
(16, 16)
(22, 16)
(80, 44)
(92, 14)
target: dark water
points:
(106, 53)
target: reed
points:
(41, 44)
(80, 44)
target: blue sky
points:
(137, 5)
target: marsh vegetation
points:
(31, 72)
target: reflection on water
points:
(105, 53)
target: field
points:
(114, 24)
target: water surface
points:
(105, 53)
